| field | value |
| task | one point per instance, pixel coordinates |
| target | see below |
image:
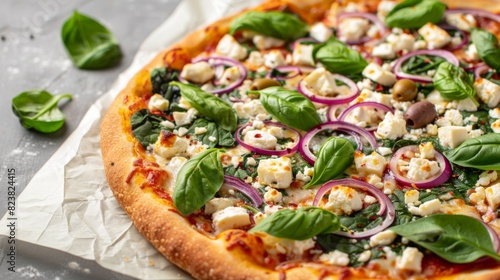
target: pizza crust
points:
(156, 218)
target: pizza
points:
(318, 140)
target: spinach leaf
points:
(223, 137)
(421, 64)
(415, 13)
(364, 219)
(38, 109)
(334, 157)
(488, 47)
(455, 238)
(209, 106)
(403, 216)
(274, 24)
(300, 224)
(89, 43)
(199, 179)
(146, 127)
(482, 152)
(454, 83)
(160, 79)
(331, 242)
(336, 57)
(289, 107)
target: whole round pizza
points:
(319, 140)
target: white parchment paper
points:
(68, 204)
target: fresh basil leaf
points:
(482, 152)
(146, 127)
(300, 224)
(199, 179)
(415, 13)
(223, 137)
(160, 79)
(334, 157)
(455, 238)
(89, 43)
(454, 83)
(488, 47)
(38, 109)
(289, 107)
(274, 24)
(209, 106)
(337, 57)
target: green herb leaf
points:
(209, 106)
(454, 83)
(300, 224)
(289, 107)
(415, 13)
(223, 137)
(455, 238)
(89, 43)
(199, 179)
(336, 57)
(482, 152)
(274, 24)
(146, 127)
(38, 109)
(488, 47)
(334, 157)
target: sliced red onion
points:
(432, 182)
(451, 58)
(494, 236)
(245, 188)
(480, 70)
(369, 16)
(333, 111)
(340, 99)
(302, 40)
(474, 12)
(333, 125)
(386, 205)
(465, 38)
(375, 105)
(265, 151)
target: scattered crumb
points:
(151, 263)
(126, 259)
(29, 272)
(86, 270)
(74, 265)
(31, 154)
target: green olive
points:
(404, 90)
(263, 83)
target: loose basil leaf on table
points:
(209, 106)
(488, 47)
(415, 13)
(337, 57)
(146, 127)
(89, 43)
(274, 24)
(198, 180)
(455, 238)
(38, 109)
(289, 107)
(334, 156)
(454, 83)
(300, 224)
(482, 152)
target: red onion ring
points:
(333, 125)
(417, 78)
(494, 236)
(332, 115)
(432, 182)
(385, 205)
(374, 105)
(465, 38)
(245, 188)
(480, 70)
(354, 92)
(265, 151)
(474, 12)
(371, 17)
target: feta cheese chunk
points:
(256, 59)
(274, 59)
(322, 82)
(275, 172)
(365, 256)
(421, 169)
(320, 32)
(353, 28)
(230, 218)
(493, 196)
(411, 260)
(454, 117)
(426, 150)
(199, 73)
(249, 109)
(384, 51)
(264, 42)
(228, 46)
(302, 55)
(495, 126)
(383, 238)
(461, 21)
(471, 53)
(158, 103)
(217, 204)
(230, 75)
(435, 36)
(494, 113)
(489, 92)
(486, 177)
(260, 139)
(401, 42)
(466, 105)
(272, 195)
(411, 196)
(452, 136)
(169, 145)
(182, 118)
(384, 7)
(427, 208)
(335, 258)
(343, 200)
(392, 127)
(371, 164)
(375, 72)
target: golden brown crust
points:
(228, 256)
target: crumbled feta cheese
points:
(301, 177)
(402, 42)
(384, 151)
(478, 196)
(471, 53)
(199, 73)
(251, 161)
(454, 117)
(421, 169)
(264, 42)
(486, 177)
(271, 209)
(435, 36)
(182, 118)
(374, 72)
(217, 204)
(228, 46)
(432, 129)
(302, 55)
(426, 208)
(373, 96)
(411, 196)
(442, 122)
(494, 113)
(495, 126)
(309, 171)
(230, 218)
(158, 103)
(461, 21)
(168, 124)
(370, 199)
(410, 260)
(256, 59)
(169, 145)
(370, 164)
(382, 238)
(353, 28)
(489, 92)
(474, 133)
(374, 180)
(466, 105)
(392, 127)
(343, 200)
(258, 217)
(365, 256)
(200, 130)
(274, 59)
(230, 75)
(452, 136)
(420, 45)
(249, 109)
(212, 138)
(320, 32)
(335, 258)
(384, 7)
(426, 150)
(384, 51)
(276, 172)
(493, 196)
(321, 82)
(272, 195)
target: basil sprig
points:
(146, 127)
(199, 179)
(482, 152)
(209, 106)
(337, 57)
(488, 47)
(415, 13)
(289, 107)
(300, 224)
(38, 109)
(455, 238)
(89, 43)
(334, 156)
(454, 83)
(274, 24)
